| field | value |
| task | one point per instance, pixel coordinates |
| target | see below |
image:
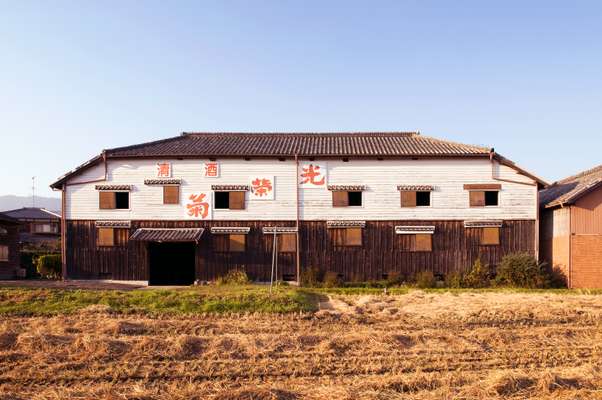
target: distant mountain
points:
(10, 202)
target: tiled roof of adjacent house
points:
(32, 213)
(568, 190)
(349, 144)
(6, 219)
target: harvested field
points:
(414, 346)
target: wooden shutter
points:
(171, 195)
(423, 242)
(353, 236)
(237, 242)
(408, 199)
(237, 201)
(3, 253)
(287, 243)
(105, 237)
(477, 199)
(106, 200)
(490, 236)
(340, 199)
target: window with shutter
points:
(287, 243)
(105, 237)
(340, 199)
(237, 201)
(490, 236)
(106, 200)
(171, 194)
(4, 253)
(237, 243)
(408, 199)
(353, 237)
(423, 242)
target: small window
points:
(344, 237)
(229, 243)
(230, 200)
(346, 199)
(3, 253)
(423, 199)
(171, 194)
(287, 243)
(491, 198)
(114, 200)
(109, 237)
(411, 198)
(416, 242)
(490, 236)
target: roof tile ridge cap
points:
(486, 149)
(133, 146)
(333, 133)
(580, 174)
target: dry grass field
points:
(412, 346)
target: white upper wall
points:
(381, 200)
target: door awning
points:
(167, 234)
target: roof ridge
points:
(333, 133)
(580, 174)
(434, 139)
(133, 146)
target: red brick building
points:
(571, 228)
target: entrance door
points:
(171, 263)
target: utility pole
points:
(33, 191)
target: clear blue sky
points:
(77, 77)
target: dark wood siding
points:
(8, 268)
(454, 248)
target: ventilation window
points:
(114, 200)
(230, 200)
(423, 199)
(222, 200)
(491, 198)
(346, 199)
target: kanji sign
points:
(211, 169)
(313, 175)
(197, 206)
(163, 170)
(262, 187)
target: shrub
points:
(455, 280)
(478, 276)
(425, 279)
(234, 277)
(558, 278)
(311, 277)
(522, 270)
(395, 278)
(49, 265)
(332, 279)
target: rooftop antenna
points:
(33, 191)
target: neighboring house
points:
(571, 228)
(362, 205)
(38, 225)
(9, 247)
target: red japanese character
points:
(198, 207)
(163, 170)
(310, 175)
(211, 169)
(261, 186)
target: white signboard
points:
(262, 187)
(197, 205)
(313, 175)
(211, 169)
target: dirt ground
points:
(414, 346)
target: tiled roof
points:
(492, 223)
(113, 187)
(113, 224)
(9, 220)
(413, 229)
(358, 144)
(351, 188)
(167, 234)
(31, 213)
(415, 188)
(570, 189)
(163, 181)
(345, 224)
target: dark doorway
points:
(171, 263)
